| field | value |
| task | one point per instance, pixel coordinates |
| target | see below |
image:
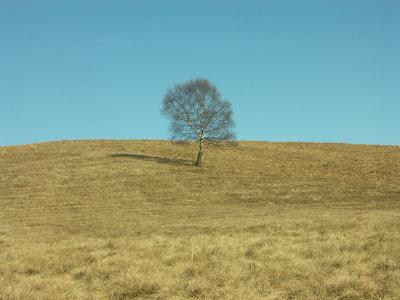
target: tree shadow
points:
(161, 160)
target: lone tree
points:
(197, 113)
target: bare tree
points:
(197, 113)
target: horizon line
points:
(192, 141)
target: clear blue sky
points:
(310, 70)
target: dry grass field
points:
(133, 219)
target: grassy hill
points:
(134, 219)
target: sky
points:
(309, 70)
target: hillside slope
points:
(126, 219)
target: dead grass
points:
(133, 219)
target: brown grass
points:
(133, 219)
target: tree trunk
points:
(199, 154)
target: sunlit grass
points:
(133, 219)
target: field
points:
(134, 219)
